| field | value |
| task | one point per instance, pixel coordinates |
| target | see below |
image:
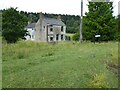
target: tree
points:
(13, 25)
(118, 23)
(117, 29)
(99, 20)
(0, 23)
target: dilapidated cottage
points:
(48, 30)
(31, 31)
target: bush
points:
(76, 36)
(3, 41)
(117, 37)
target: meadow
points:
(28, 64)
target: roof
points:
(31, 25)
(53, 21)
(50, 21)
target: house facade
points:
(48, 30)
(31, 31)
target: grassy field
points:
(63, 65)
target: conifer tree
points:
(99, 20)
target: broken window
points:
(57, 36)
(51, 38)
(51, 29)
(62, 37)
(62, 29)
(51, 25)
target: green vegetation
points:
(0, 23)
(76, 36)
(70, 35)
(99, 81)
(117, 34)
(99, 21)
(13, 25)
(65, 64)
(0, 62)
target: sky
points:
(71, 7)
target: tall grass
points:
(99, 81)
(66, 64)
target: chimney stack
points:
(41, 15)
(41, 20)
(59, 17)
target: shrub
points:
(76, 36)
(117, 37)
(4, 41)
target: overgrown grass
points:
(30, 64)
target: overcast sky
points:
(71, 7)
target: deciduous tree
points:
(13, 26)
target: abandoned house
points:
(31, 31)
(46, 30)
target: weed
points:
(99, 81)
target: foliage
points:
(117, 34)
(76, 36)
(99, 20)
(13, 25)
(70, 35)
(64, 65)
(0, 23)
